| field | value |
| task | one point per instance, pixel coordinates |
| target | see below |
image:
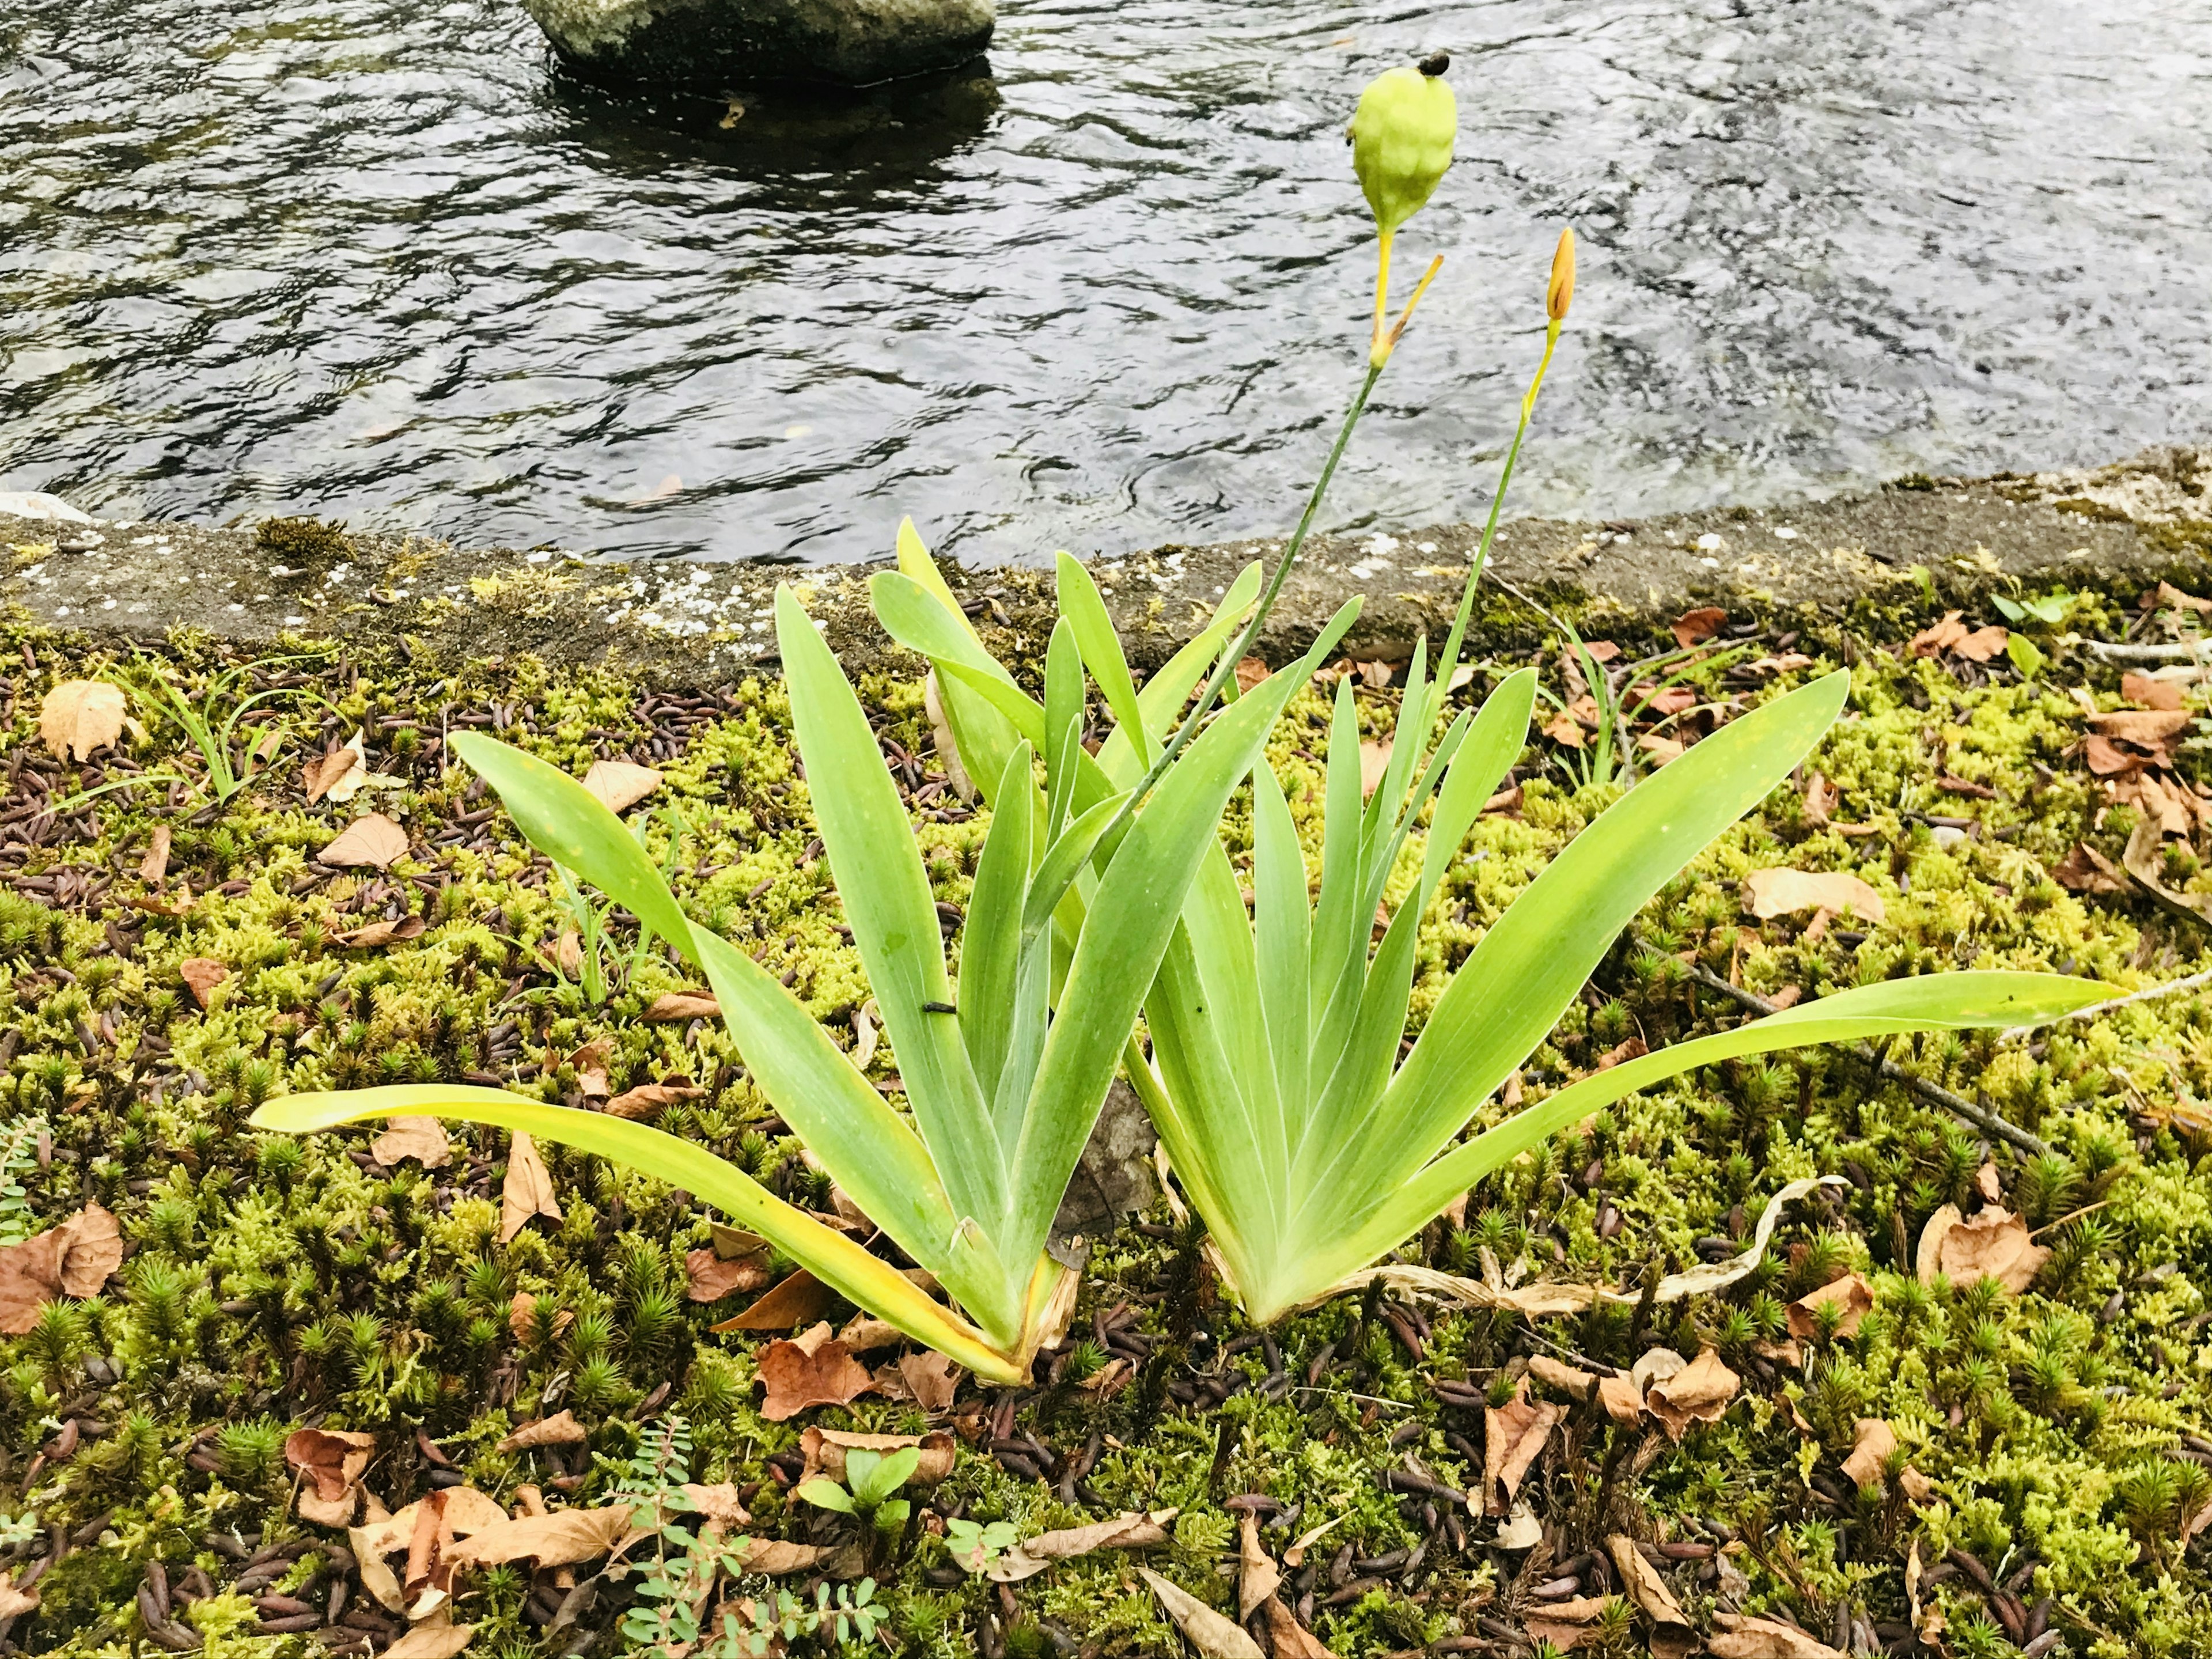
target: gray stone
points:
(1113, 1178)
(715, 42)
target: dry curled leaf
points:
(1993, 1243)
(1696, 627)
(561, 1538)
(1257, 1575)
(1671, 1636)
(522, 1318)
(432, 1641)
(2149, 727)
(72, 1258)
(1513, 1435)
(1699, 1392)
(649, 1099)
(527, 1191)
(91, 1250)
(1851, 1293)
(1374, 762)
(332, 1460)
(621, 784)
(1743, 1638)
(201, 975)
(773, 1559)
(80, 716)
(672, 1006)
(1130, 1531)
(1939, 637)
(1782, 891)
(1560, 1377)
(1983, 643)
(1250, 670)
(1288, 1638)
(1622, 1398)
(2149, 691)
(329, 771)
(1211, 1634)
(800, 1300)
(1874, 1440)
(154, 869)
(422, 1139)
(383, 932)
(708, 1278)
(15, 1600)
(813, 1369)
(561, 1430)
(825, 1450)
(1564, 1623)
(371, 842)
(931, 1378)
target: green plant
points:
(977, 1546)
(687, 1562)
(212, 728)
(592, 917)
(19, 1157)
(872, 1481)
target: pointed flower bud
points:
(1402, 139)
(1561, 293)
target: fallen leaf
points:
(201, 975)
(561, 1538)
(718, 1502)
(422, 1139)
(327, 771)
(2149, 727)
(1983, 643)
(91, 1249)
(2084, 870)
(868, 1334)
(1874, 1441)
(1661, 749)
(1992, 1243)
(710, 1278)
(1821, 798)
(15, 1600)
(1622, 1399)
(154, 869)
(931, 1378)
(2150, 691)
(773, 1559)
(1851, 1292)
(1288, 1638)
(1377, 674)
(1696, 627)
(1627, 1049)
(621, 784)
(79, 716)
(1250, 670)
(1520, 1530)
(1744, 1638)
(1565, 728)
(649, 1099)
(1513, 1435)
(562, 1430)
(1577, 1384)
(371, 842)
(1782, 891)
(2106, 758)
(1257, 1575)
(1988, 1183)
(671, 1006)
(522, 1318)
(1657, 1365)
(1699, 1392)
(527, 1191)
(1212, 1634)
(430, 1641)
(1564, 1623)
(1919, 1489)
(1644, 1587)
(427, 1568)
(1374, 762)
(383, 932)
(800, 1300)
(332, 1459)
(825, 1449)
(1128, 1531)
(2167, 595)
(1939, 636)
(865, 1019)
(799, 1374)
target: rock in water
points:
(847, 42)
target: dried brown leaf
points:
(931, 1378)
(383, 932)
(1564, 1624)
(1743, 1638)
(332, 1460)
(1646, 1588)
(561, 1538)
(1622, 1399)
(1940, 636)
(432, 1641)
(1257, 1575)
(1130, 1531)
(1851, 1292)
(1211, 1635)
(1874, 1441)
(1699, 1392)
(527, 1191)
(561, 1430)
(1374, 760)
(1992, 1243)
(1696, 627)
(201, 975)
(1250, 670)
(621, 784)
(710, 1278)
(800, 1300)
(1782, 891)
(91, 1250)
(2150, 727)
(326, 771)
(2150, 691)
(522, 1317)
(773, 1559)
(40, 1268)
(825, 1448)
(371, 842)
(1513, 1435)
(796, 1378)
(1983, 643)
(154, 869)
(15, 1600)
(79, 716)
(672, 1006)
(1560, 1377)
(650, 1099)
(422, 1139)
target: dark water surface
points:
(373, 259)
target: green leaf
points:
(1280, 942)
(893, 917)
(1063, 724)
(2024, 654)
(1495, 741)
(862, 1279)
(1933, 1002)
(826, 1495)
(1085, 612)
(990, 943)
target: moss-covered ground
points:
(273, 1281)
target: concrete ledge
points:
(689, 623)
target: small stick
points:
(2172, 987)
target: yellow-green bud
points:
(1560, 292)
(1402, 139)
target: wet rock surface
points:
(713, 42)
(683, 623)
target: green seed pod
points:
(1402, 139)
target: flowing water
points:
(379, 260)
